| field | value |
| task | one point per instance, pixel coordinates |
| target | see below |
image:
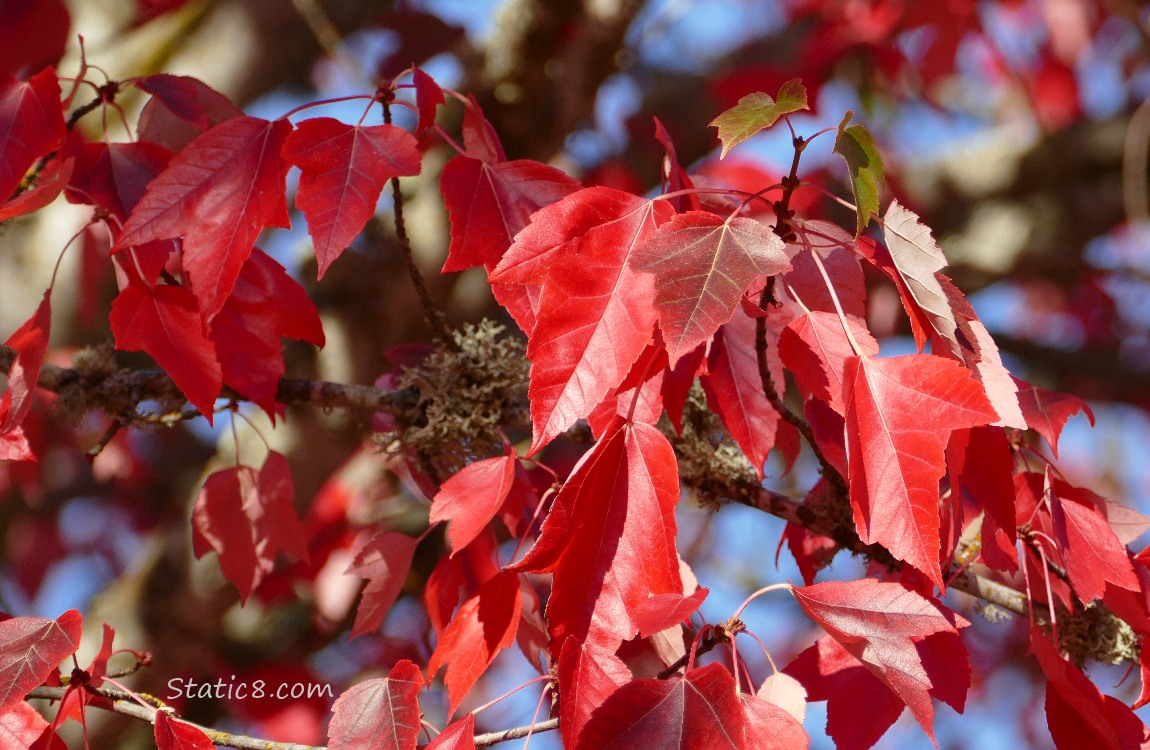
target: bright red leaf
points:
(379, 714)
(30, 342)
(814, 347)
(981, 464)
(384, 562)
(22, 727)
(770, 727)
(428, 96)
(734, 391)
(900, 413)
(588, 675)
(458, 736)
(595, 316)
(1093, 554)
(246, 516)
(703, 264)
(610, 537)
(31, 648)
(697, 711)
(49, 184)
(164, 321)
(472, 497)
(266, 305)
(31, 125)
(218, 194)
(345, 168)
(662, 611)
(484, 625)
(171, 734)
(804, 282)
(889, 629)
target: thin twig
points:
(493, 738)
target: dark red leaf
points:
(218, 194)
(246, 516)
(30, 342)
(33, 34)
(698, 711)
(1047, 412)
(31, 124)
(164, 321)
(900, 413)
(48, 186)
(484, 625)
(114, 176)
(981, 464)
(384, 562)
(181, 108)
(703, 264)
(171, 734)
(379, 714)
(265, 305)
(345, 168)
(428, 96)
(472, 497)
(30, 650)
(888, 628)
(617, 507)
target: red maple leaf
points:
(114, 176)
(1047, 412)
(814, 347)
(702, 265)
(472, 497)
(770, 727)
(697, 711)
(181, 108)
(31, 125)
(171, 734)
(345, 168)
(836, 250)
(907, 641)
(610, 537)
(428, 97)
(22, 727)
(265, 305)
(246, 516)
(458, 736)
(31, 648)
(484, 625)
(164, 321)
(595, 316)
(379, 714)
(734, 389)
(30, 342)
(981, 464)
(900, 413)
(384, 562)
(218, 194)
(588, 675)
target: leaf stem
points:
(760, 592)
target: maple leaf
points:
(428, 96)
(588, 675)
(785, 692)
(699, 710)
(177, 735)
(595, 317)
(384, 562)
(981, 464)
(115, 176)
(379, 714)
(757, 111)
(661, 611)
(345, 168)
(858, 147)
(31, 125)
(609, 538)
(907, 641)
(489, 199)
(458, 736)
(31, 648)
(181, 108)
(1046, 412)
(246, 516)
(1078, 714)
(23, 728)
(836, 250)
(218, 194)
(702, 265)
(734, 389)
(164, 321)
(30, 342)
(472, 497)
(265, 305)
(814, 348)
(50, 183)
(1093, 554)
(900, 412)
(1001, 388)
(484, 625)
(771, 727)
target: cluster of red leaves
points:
(625, 301)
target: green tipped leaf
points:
(758, 111)
(857, 146)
